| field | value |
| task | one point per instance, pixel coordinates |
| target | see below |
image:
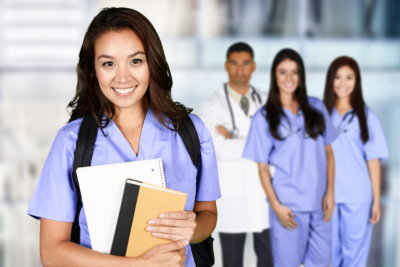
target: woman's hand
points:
(328, 206)
(173, 254)
(174, 226)
(285, 217)
(376, 213)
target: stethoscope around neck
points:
(254, 95)
(344, 123)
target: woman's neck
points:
(289, 102)
(130, 118)
(342, 105)
(130, 122)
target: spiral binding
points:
(161, 169)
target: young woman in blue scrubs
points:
(293, 132)
(125, 82)
(358, 150)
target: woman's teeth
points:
(125, 91)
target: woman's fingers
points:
(180, 215)
(168, 236)
(376, 215)
(328, 206)
(172, 254)
(173, 225)
(179, 219)
(171, 233)
(328, 213)
(182, 253)
(174, 246)
(289, 223)
(291, 215)
(173, 222)
(286, 217)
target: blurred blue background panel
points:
(39, 46)
(370, 54)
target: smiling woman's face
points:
(121, 68)
(287, 76)
(344, 82)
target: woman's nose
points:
(123, 74)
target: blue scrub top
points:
(351, 155)
(300, 161)
(55, 196)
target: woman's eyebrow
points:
(137, 53)
(104, 56)
(110, 57)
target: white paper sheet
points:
(102, 188)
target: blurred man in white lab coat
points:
(243, 207)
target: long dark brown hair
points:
(313, 120)
(89, 98)
(356, 97)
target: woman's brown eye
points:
(136, 61)
(107, 64)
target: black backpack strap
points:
(203, 252)
(191, 140)
(82, 158)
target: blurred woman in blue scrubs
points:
(358, 151)
(293, 132)
(125, 83)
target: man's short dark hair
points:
(240, 47)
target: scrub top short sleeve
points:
(207, 175)
(55, 196)
(259, 140)
(376, 147)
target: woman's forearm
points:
(206, 220)
(374, 168)
(330, 170)
(265, 178)
(57, 250)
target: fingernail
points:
(185, 242)
(149, 228)
(162, 215)
(152, 221)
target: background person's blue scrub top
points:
(55, 197)
(300, 161)
(351, 155)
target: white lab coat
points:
(243, 206)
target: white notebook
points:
(102, 188)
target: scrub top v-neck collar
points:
(336, 112)
(291, 114)
(145, 141)
(297, 120)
